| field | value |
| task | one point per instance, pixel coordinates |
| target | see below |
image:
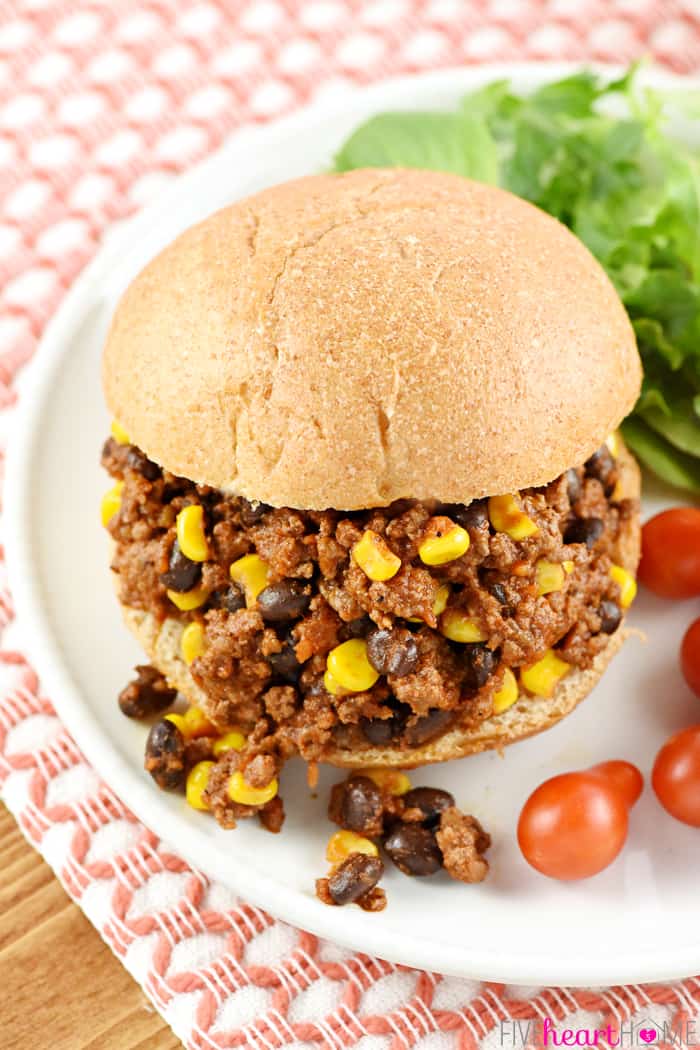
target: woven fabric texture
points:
(101, 104)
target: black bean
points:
(357, 628)
(584, 530)
(137, 461)
(182, 574)
(499, 593)
(231, 599)
(355, 877)
(381, 731)
(251, 513)
(361, 806)
(602, 466)
(286, 600)
(148, 694)
(430, 801)
(481, 662)
(165, 755)
(285, 664)
(474, 515)
(573, 485)
(610, 616)
(392, 652)
(427, 727)
(495, 584)
(413, 849)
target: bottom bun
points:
(529, 715)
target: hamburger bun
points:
(348, 340)
(529, 715)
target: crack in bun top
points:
(349, 340)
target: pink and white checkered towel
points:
(102, 102)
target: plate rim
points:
(356, 931)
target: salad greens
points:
(604, 159)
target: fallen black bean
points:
(413, 849)
(165, 755)
(430, 801)
(361, 806)
(148, 694)
(355, 877)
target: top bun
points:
(348, 340)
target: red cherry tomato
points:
(690, 657)
(670, 565)
(622, 776)
(573, 826)
(676, 776)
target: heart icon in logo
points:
(647, 1035)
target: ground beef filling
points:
(263, 666)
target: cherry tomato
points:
(690, 657)
(676, 776)
(622, 776)
(573, 825)
(670, 565)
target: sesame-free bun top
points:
(347, 340)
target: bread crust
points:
(529, 715)
(348, 340)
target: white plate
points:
(639, 920)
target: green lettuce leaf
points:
(444, 141)
(606, 159)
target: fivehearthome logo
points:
(546, 1032)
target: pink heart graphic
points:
(647, 1035)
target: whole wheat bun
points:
(348, 340)
(529, 715)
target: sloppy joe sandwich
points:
(371, 507)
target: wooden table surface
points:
(61, 986)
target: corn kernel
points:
(349, 666)
(197, 723)
(191, 538)
(332, 686)
(239, 790)
(392, 780)
(111, 503)
(541, 678)
(568, 566)
(192, 642)
(343, 843)
(374, 557)
(506, 515)
(618, 492)
(196, 785)
(459, 627)
(251, 573)
(549, 576)
(187, 600)
(119, 434)
(627, 584)
(506, 696)
(613, 443)
(231, 741)
(178, 721)
(442, 595)
(192, 723)
(445, 543)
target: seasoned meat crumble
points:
(263, 667)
